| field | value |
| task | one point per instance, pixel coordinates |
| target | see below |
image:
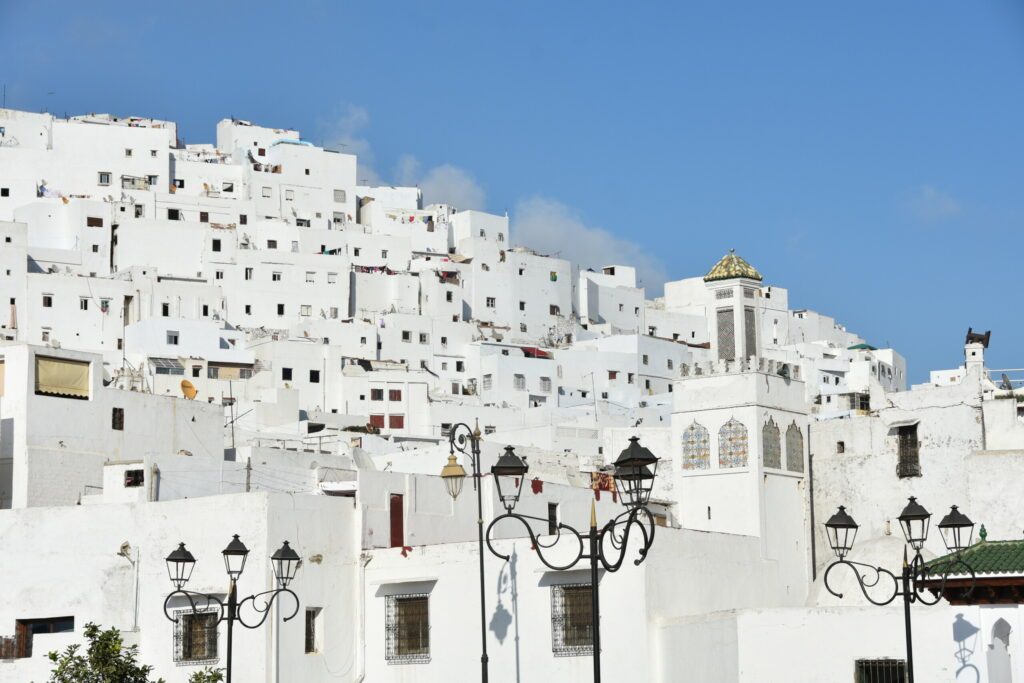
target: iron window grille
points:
(571, 620)
(880, 671)
(407, 629)
(195, 636)
(909, 464)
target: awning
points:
(910, 421)
(62, 377)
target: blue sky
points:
(868, 156)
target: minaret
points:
(734, 316)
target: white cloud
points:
(344, 129)
(931, 204)
(552, 228)
(444, 184)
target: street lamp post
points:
(956, 530)
(285, 562)
(634, 475)
(464, 440)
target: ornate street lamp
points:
(465, 440)
(285, 561)
(956, 530)
(603, 548)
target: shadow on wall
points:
(502, 619)
(965, 635)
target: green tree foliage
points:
(105, 660)
(207, 675)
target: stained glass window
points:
(772, 447)
(794, 449)
(732, 445)
(696, 447)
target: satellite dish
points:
(188, 389)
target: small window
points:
(545, 385)
(134, 478)
(314, 376)
(195, 636)
(396, 421)
(286, 374)
(312, 630)
(448, 297)
(305, 310)
(117, 419)
(243, 219)
(840, 446)
(152, 153)
(407, 624)
(355, 251)
(165, 310)
(95, 248)
(83, 304)
(376, 394)
(339, 196)
(289, 195)
(248, 273)
(248, 309)
(127, 152)
(645, 360)
(271, 244)
(310, 277)
(275, 276)
(173, 215)
(552, 519)
(47, 301)
(204, 216)
(216, 245)
(394, 394)
(571, 620)
(613, 375)
(332, 278)
(460, 366)
(424, 338)
(491, 303)
(266, 192)
(196, 369)
(519, 382)
(880, 670)
(377, 421)
(172, 337)
(179, 183)
(5, 192)
(227, 187)
(94, 221)
(280, 309)
(522, 305)
(406, 336)
(488, 382)
(261, 151)
(104, 178)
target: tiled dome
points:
(732, 266)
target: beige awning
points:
(62, 377)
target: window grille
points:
(571, 620)
(772, 448)
(732, 445)
(749, 332)
(519, 381)
(545, 385)
(696, 447)
(794, 448)
(407, 629)
(909, 464)
(195, 636)
(880, 671)
(311, 618)
(726, 334)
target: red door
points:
(397, 521)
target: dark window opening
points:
(134, 478)
(909, 464)
(26, 629)
(880, 671)
(312, 613)
(314, 376)
(397, 520)
(552, 518)
(117, 419)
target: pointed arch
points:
(794, 448)
(771, 438)
(732, 445)
(696, 447)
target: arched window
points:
(732, 445)
(794, 449)
(772, 448)
(696, 447)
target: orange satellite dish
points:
(188, 389)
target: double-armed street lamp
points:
(180, 563)
(956, 529)
(465, 440)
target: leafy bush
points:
(106, 660)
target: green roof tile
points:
(990, 557)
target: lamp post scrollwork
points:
(603, 547)
(181, 562)
(881, 586)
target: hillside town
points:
(236, 342)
